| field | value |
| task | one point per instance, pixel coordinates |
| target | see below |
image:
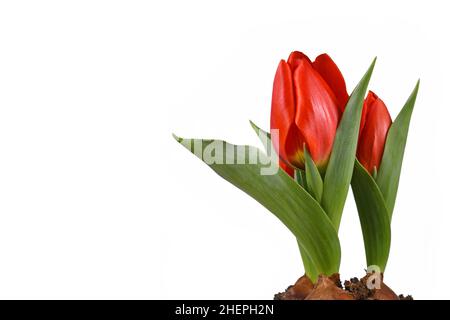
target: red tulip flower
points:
(375, 123)
(307, 101)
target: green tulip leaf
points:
(263, 135)
(340, 166)
(314, 181)
(388, 175)
(278, 192)
(300, 177)
(310, 269)
(373, 216)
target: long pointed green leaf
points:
(279, 193)
(265, 137)
(310, 269)
(261, 134)
(373, 216)
(388, 176)
(313, 179)
(300, 177)
(340, 166)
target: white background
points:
(98, 201)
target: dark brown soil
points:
(358, 289)
(369, 287)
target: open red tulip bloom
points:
(318, 133)
(307, 102)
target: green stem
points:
(310, 270)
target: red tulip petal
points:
(370, 99)
(282, 116)
(316, 111)
(294, 59)
(293, 147)
(329, 71)
(373, 136)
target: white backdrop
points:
(98, 201)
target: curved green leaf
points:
(373, 216)
(388, 176)
(310, 269)
(300, 177)
(314, 181)
(263, 135)
(278, 192)
(342, 158)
